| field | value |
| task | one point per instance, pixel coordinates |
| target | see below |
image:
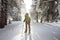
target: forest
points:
(43, 10)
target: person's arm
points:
(30, 19)
(24, 20)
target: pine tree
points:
(50, 12)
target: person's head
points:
(27, 14)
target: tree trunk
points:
(3, 12)
(37, 17)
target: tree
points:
(3, 12)
(49, 8)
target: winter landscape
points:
(44, 23)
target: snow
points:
(55, 23)
(39, 31)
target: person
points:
(27, 23)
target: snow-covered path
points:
(39, 31)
